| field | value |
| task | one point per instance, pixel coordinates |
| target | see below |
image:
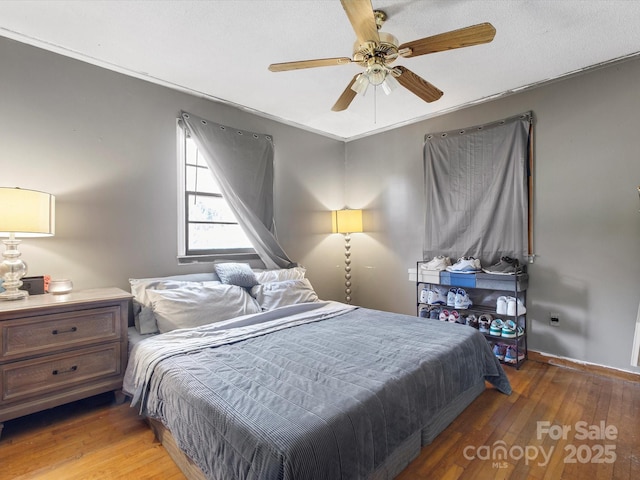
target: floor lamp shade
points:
(347, 221)
(23, 213)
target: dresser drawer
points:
(54, 332)
(31, 378)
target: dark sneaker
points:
(506, 266)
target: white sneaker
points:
(424, 294)
(465, 265)
(451, 297)
(462, 300)
(515, 307)
(437, 264)
(436, 297)
(501, 305)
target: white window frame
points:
(184, 256)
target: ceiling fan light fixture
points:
(389, 84)
(361, 84)
(375, 71)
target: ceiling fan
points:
(376, 51)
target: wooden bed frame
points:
(184, 463)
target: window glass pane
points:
(219, 230)
(209, 209)
(206, 182)
(191, 152)
(217, 236)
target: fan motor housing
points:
(386, 50)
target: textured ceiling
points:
(221, 50)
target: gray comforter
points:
(326, 394)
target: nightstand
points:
(56, 349)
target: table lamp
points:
(23, 213)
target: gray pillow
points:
(239, 274)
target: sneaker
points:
(515, 307)
(484, 323)
(434, 313)
(511, 356)
(501, 306)
(444, 315)
(510, 330)
(454, 316)
(424, 294)
(465, 265)
(496, 327)
(462, 300)
(451, 297)
(506, 266)
(424, 312)
(499, 350)
(461, 320)
(437, 264)
(472, 321)
(436, 297)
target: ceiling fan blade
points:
(463, 37)
(418, 85)
(360, 13)
(320, 62)
(347, 97)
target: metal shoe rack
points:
(483, 289)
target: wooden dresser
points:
(56, 349)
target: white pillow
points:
(288, 292)
(199, 305)
(279, 275)
(140, 290)
(143, 316)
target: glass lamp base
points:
(12, 269)
(13, 295)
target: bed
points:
(295, 387)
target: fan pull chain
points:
(375, 104)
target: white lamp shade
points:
(361, 84)
(346, 221)
(26, 213)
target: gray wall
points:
(587, 224)
(104, 144)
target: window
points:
(206, 224)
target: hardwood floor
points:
(89, 439)
(96, 439)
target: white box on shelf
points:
(425, 276)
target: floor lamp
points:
(347, 221)
(23, 213)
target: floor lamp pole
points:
(347, 268)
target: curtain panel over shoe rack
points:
(478, 191)
(479, 197)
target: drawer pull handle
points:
(71, 330)
(70, 370)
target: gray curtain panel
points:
(476, 191)
(243, 164)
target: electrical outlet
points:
(554, 319)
